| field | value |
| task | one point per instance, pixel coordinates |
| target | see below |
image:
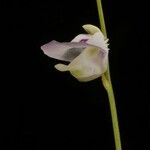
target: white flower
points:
(87, 54)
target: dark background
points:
(46, 109)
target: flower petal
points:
(95, 39)
(66, 51)
(61, 67)
(89, 65)
(90, 78)
(82, 38)
(91, 29)
(98, 40)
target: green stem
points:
(101, 17)
(106, 79)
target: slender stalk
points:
(101, 17)
(108, 85)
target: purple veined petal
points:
(98, 40)
(81, 38)
(65, 51)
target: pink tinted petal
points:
(63, 51)
(55, 49)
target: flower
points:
(87, 54)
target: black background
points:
(47, 109)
